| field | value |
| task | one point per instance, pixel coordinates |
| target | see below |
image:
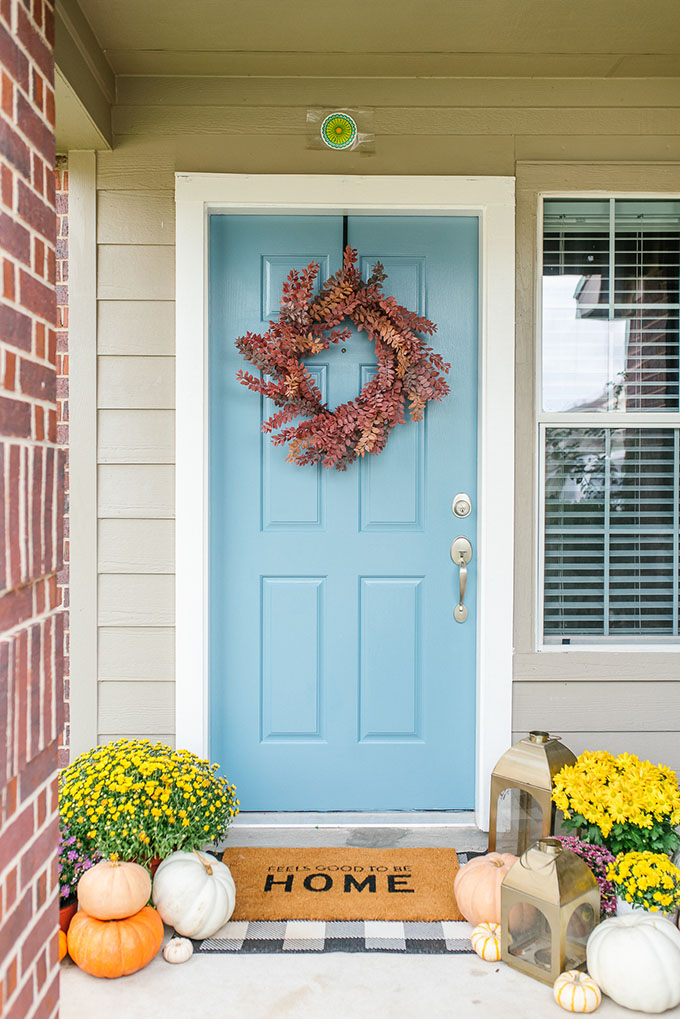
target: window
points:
(609, 421)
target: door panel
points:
(339, 679)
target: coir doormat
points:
(344, 884)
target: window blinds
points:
(611, 532)
(611, 298)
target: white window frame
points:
(610, 419)
(493, 200)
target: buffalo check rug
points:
(443, 937)
(434, 937)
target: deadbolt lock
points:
(461, 506)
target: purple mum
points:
(598, 858)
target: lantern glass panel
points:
(581, 924)
(530, 935)
(519, 821)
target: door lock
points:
(461, 506)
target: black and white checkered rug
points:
(442, 937)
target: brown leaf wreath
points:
(407, 368)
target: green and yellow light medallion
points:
(339, 131)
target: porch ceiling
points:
(524, 38)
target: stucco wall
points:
(602, 128)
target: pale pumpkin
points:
(636, 961)
(114, 889)
(576, 992)
(62, 945)
(477, 887)
(115, 948)
(486, 941)
(194, 893)
(178, 950)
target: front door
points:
(339, 679)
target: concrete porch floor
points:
(332, 986)
(325, 986)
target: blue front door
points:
(339, 678)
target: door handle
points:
(461, 554)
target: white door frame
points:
(493, 199)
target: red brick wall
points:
(61, 178)
(31, 508)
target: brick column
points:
(31, 511)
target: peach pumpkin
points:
(114, 889)
(115, 948)
(477, 887)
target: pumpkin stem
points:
(208, 868)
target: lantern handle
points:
(550, 862)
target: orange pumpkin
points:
(62, 945)
(477, 887)
(114, 948)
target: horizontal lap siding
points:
(258, 125)
(136, 452)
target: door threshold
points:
(454, 829)
(355, 819)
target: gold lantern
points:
(521, 810)
(550, 903)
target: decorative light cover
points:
(521, 809)
(339, 131)
(550, 903)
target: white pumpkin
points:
(178, 950)
(486, 941)
(194, 893)
(576, 992)
(636, 961)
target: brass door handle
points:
(461, 554)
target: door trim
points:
(493, 200)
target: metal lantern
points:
(550, 903)
(522, 810)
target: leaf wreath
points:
(407, 369)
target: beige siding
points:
(136, 653)
(552, 133)
(136, 436)
(136, 382)
(136, 328)
(136, 546)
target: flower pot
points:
(66, 913)
(623, 907)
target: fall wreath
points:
(406, 367)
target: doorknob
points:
(461, 554)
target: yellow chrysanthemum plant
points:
(142, 800)
(647, 881)
(620, 802)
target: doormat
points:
(447, 937)
(344, 884)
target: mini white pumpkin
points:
(636, 961)
(178, 950)
(576, 992)
(486, 941)
(194, 893)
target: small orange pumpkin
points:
(115, 948)
(114, 889)
(62, 945)
(477, 887)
